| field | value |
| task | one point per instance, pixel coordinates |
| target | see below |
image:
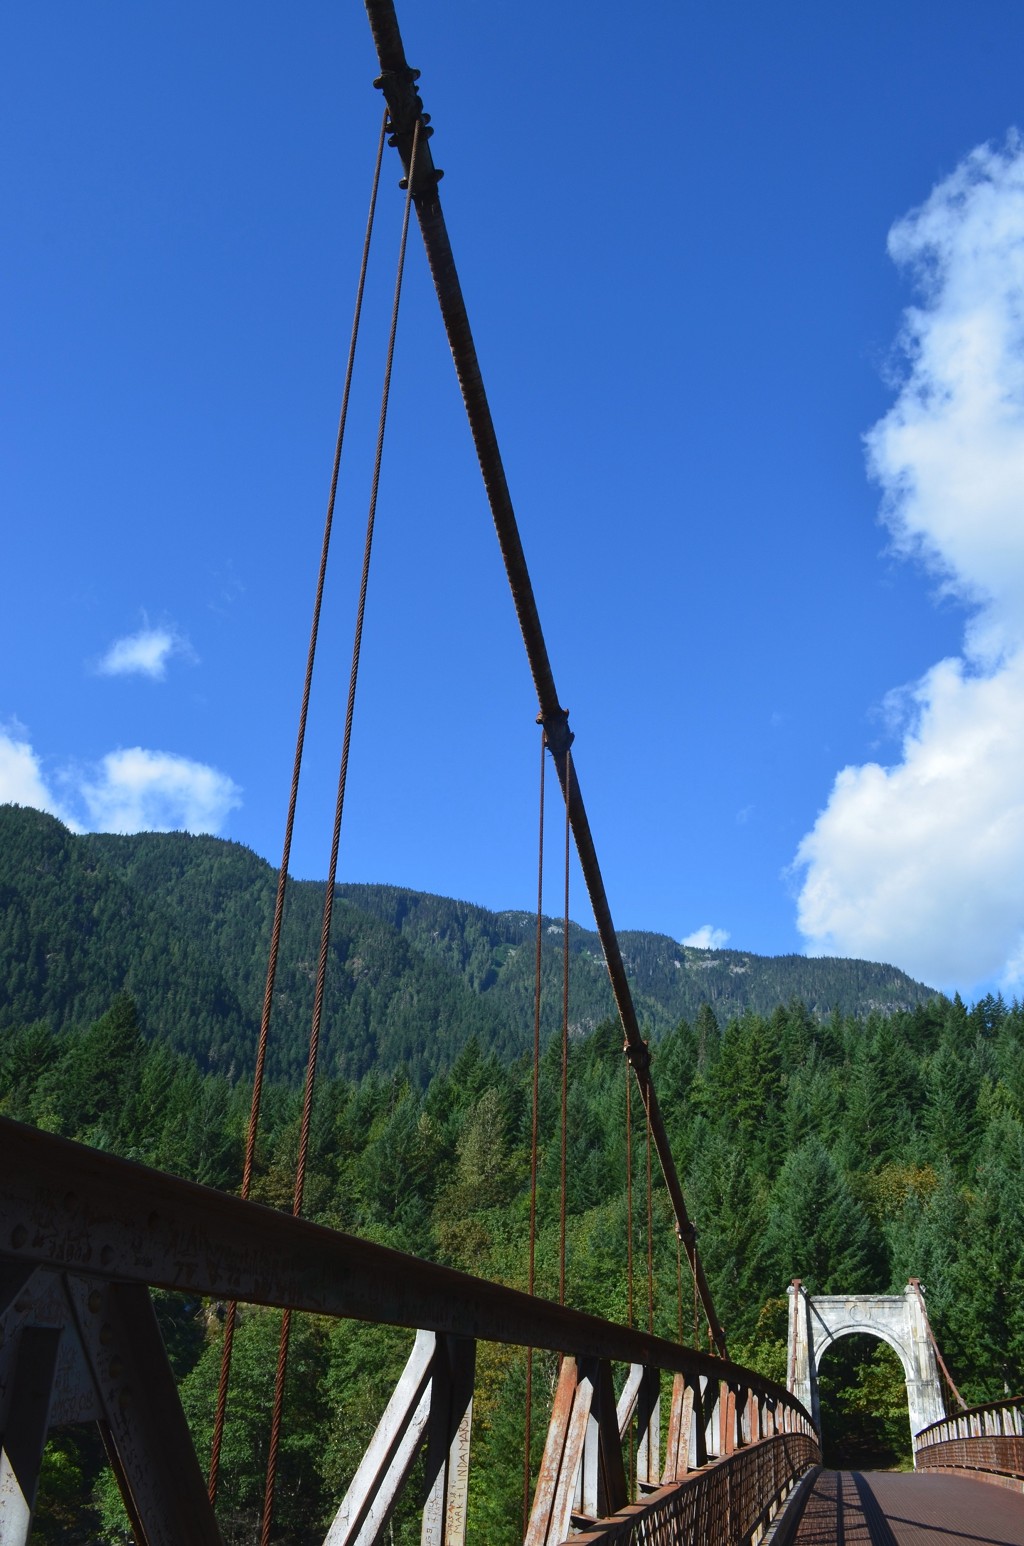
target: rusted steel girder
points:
(79, 1210)
(84, 1234)
(397, 81)
(76, 1349)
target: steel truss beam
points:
(433, 1401)
(67, 1206)
(75, 1349)
(83, 1234)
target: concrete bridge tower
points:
(818, 1320)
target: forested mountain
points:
(668, 980)
(183, 924)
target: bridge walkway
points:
(894, 1508)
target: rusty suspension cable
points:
(325, 931)
(650, 1234)
(534, 1133)
(282, 874)
(645, 1091)
(397, 81)
(629, 1197)
(679, 1291)
(563, 1186)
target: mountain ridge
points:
(183, 923)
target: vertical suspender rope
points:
(565, 1052)
(325, 932)
(679, 1292)
(650, 1237)
(534, 1133)
(629, 1196)
(645, 1091)
(282, 874)
(631, 1475)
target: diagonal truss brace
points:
(582, 1477)
(641, 1398)
(75, 1349)
(432, 1402)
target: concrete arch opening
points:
(818, 1321)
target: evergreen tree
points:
(816, 1230)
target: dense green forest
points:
(832, 1120)
(183, 924)
(852, 1152)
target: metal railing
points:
(987, 1439)
(725, 1502)
(85, 1235)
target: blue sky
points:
(773, 517)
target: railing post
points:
(753, 1411)
(551, 1516)
(742, 1416)
(582, 1463)
(607, 1487)
(699, 1427)
(680, 1425)
(727, 1409)
(711, 1394)
(641, 1397)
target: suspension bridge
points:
(648, 1440)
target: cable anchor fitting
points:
(638, 1055)
(557, 734)
(405, 110)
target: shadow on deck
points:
(884, 1508)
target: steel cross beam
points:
(74, 1209)
(397, 81)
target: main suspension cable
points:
(397, 82)
(916, 1285)
(325, 932)
(282, 874)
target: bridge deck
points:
(891, 1508)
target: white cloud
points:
(147, 791)
(706, 938)
(922, 863)
(145, 653)
(131, 790)
(21, 777)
